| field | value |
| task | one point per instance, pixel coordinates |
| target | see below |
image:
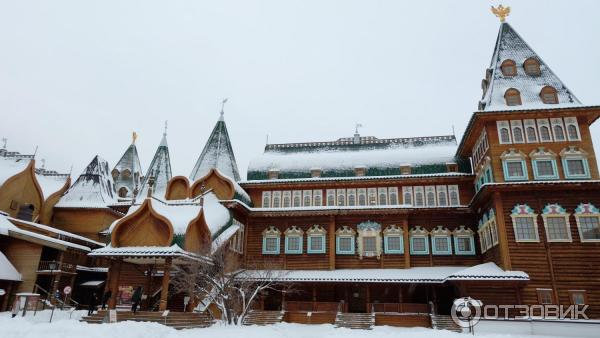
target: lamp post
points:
(52, 265)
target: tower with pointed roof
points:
(217, 154)
(159, 171)
(127, 173)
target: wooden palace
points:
(396, 228)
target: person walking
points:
(136, 299)
(92, 303)
(105, 298)
(16, 306)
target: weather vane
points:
(223, 105)
(134, 137)
(501, 12)
(166, 126)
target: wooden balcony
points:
(61, 267)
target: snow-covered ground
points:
(66, 325)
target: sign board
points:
(186, 300)
(165, 313)
(112, 316)
(2, 292)
(67, 290)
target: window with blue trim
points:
(440, 241)
(419, 241)
(544, 164)
(513, 165)
(293, 240)
(315, 237)
(344, 241)
(393, 240)
(271, 241)
(464, 241)
(575, 163)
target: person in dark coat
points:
(105, 298)
(92, 303)
(136, 299)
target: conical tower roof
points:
(160, 170)
(127, 173)
(93, 188)
(217, 153)
(510, 46)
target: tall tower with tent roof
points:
(127, 174)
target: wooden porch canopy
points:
(428, 275)
(149, 254)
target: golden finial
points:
(501, 12)
(134, 137)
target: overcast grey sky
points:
(77, 77)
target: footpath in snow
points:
(66, 325)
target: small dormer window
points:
(532, 67)
(115, 174)
(509, 68)
(126, 173)
(549, 95)
(512, 97)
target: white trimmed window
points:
(266, 199)
(287, 199)
(351, 197)
(393, 240)
(293, 240)
(544, 164)
(544, 130)
(572, 128)
(331, 197)
(407, 195)
(530, 131)
(513, 164)
(276, 199)
(297, 198)
(464, 242)
(525, 223)
(442, 195)
(503, 132)
(517, 131)
(587, 217)
(369, 239)
(393, 192)
(344, 241)
(556, 222)
(317, 198)
(440, 241)
(575, 163)
(430, 196)
(419, 241)
(382, 196)
(419, 196)
(454, 195)
(271, 238)
(315, 237)
(362, 196)
(307, 198)
(341, 197)
(372, 196)
(482, 239)
(558, 129)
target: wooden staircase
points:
(177, 320)
(364, 321)
(260, 317)
(444, 322)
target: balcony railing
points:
(62, 267)
(398, 307)
(312, 306)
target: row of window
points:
(369, 241)
(237, 242)
(531, 66)
(431, 195)
(538, 130)
(576, 297)
(574, 163)
(556, 223)
(548, 95)
(481, 146)
(334, 197)
(488, 231)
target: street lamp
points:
(52, 265)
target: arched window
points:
(512, 97)
(545, 133)
(317, 198)
(266, 199)
(532, 67)
(330, 197)
(297, 198)
(454, 198)
(123, 192)
(351, 197)
(115, 174)
(559, 134)
(276, 199)
(504, 135)
(126, 173)
(287, 199)
(509, 68)
(572, 131)
(548, 95)
(518, 134)
(531, 135)
(419, 199)
(407, 195)
(442, 200)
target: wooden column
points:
(502, 237)
(314, 297)
(331, 233)
(115, 271)
(148, 287)
(164, 293)
(406, 244)
(8, 290)
(368, 298)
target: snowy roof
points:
(217, 153)
(94, 188)
(10, 166)
(130, 161)
(510, 46)
(224, 237)
(7, 270)
(352, 178)
(50, 183)
(145, 251)
(341, 157)
(160, 169)
(435, 274)
(59, 233)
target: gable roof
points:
(510, 46)
(217, 154)
(160, 169)
(94, 188)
